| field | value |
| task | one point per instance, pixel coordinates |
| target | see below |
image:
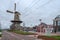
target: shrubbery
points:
(21, 32)
(0, 30)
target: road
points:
(12, 36)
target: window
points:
(58, 23)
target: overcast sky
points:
(31, 11)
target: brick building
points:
(44, 28)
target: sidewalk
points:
(51, 34)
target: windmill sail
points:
(9, 11)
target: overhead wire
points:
(45, 3)
(39, 6)
(33, 3)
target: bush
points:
(0, 35)
(0, 30)
(21, 32)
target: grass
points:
(50, 37)
(22, 32)
(55, 37)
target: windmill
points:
(16, 22)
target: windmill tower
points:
(16, 22)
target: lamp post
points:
(40, 23)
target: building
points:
(56, 24)
(41, 27)
(27, 28)
(44, 28)
(35, 28)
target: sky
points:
(31, 11)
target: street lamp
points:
(40, 23)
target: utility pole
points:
(24, 26)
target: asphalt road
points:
(12, 36)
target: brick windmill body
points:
(16, 22)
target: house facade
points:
(56, 24)
(44, 28)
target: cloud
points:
(31, 11)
